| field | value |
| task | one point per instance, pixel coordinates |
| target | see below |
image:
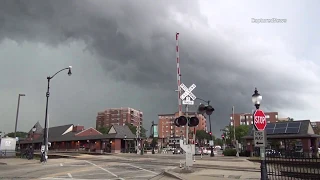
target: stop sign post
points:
(260, 121)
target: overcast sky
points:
(123, 54)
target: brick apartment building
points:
(119, 116)
(247, 119)
(167, 129)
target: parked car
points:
(177, 151)
(204, 150)
(197, 151)
(272, 153)
(208, 150)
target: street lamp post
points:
(17, 115)
(208, 109)
(43, 155)
(256, 100)
(33, 131)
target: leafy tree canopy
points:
(104, 130)
(202, 135)
(19, 134)
(241, 131)
(134, 130)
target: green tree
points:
(219, 142)
(104, 130)
(134, 130)
(240, 131)
(19, 134)
(202, 135)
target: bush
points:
(244, 153)
(230, 152)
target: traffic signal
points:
(222, 136)
(210, 133)
(201, 109)
(208, 109)
(180, 121)
(193, 121)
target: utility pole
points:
(234, 133)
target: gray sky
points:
(123, 54)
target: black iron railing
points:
(293, 165)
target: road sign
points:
(260, 121)
(42, 148)
(188, 101)
(259, 138)
(211, 143)
(188, 97)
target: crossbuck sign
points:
(188, 97)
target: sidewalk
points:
(229, 163)
(213, 174)
(17, 161)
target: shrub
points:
(230, 152)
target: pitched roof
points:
(305, 131)
(56, 134)
(91, 128)
(39, 129)
(58, 130)
(122, 131)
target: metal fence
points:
(288, 165)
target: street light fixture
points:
(208, 109)
(256, 99)
(45, 135)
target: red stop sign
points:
(260, 121)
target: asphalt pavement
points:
(80, 169)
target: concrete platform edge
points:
(172, 174)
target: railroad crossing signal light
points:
(208, 109)
(180, 121)
(193, 121)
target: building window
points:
(251, 122)
(230, 117)
(231, 123)
(268, 121)
(276, 116)
(267, 116)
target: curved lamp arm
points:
(68, 68)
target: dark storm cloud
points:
(136, 42)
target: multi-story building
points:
(119, 116)
(247, 118)
(167, 128)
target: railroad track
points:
(198, 166)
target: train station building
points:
(76, 138)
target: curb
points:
(172, 174)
